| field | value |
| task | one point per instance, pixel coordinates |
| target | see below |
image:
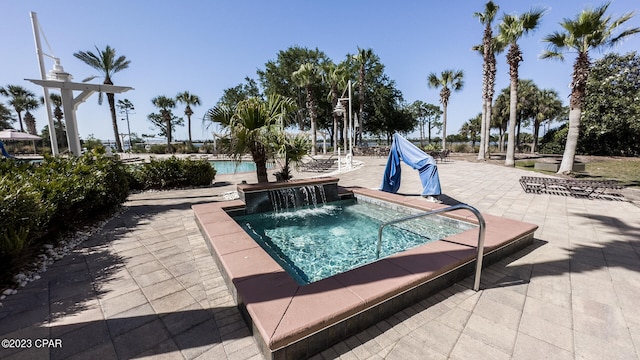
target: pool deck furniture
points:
(318, 164)
(292, 321)
(572, 187)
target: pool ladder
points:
(476, 284)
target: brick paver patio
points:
(145, 285)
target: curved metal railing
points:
(481, 223)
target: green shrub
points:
(171, 173)
(160, 149)
(461, 148)
(432, 147)
(39, 200)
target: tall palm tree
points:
(165, 104)
(488, 73)
(18, 96)
(336, 76)
(591, 29)
(362, 58)
(250, 125)
(306, 76)
(448, 78)
(548, 107)
(188, 100)
(108, 64)
(30, 104)
(56, 100)
(512, 28)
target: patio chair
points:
(318, 164)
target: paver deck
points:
(145, 285)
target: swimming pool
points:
(231, 167)
(316, 242)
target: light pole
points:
(340, 110)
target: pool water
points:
(231, 167)
(316, 242)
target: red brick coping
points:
(286, 316)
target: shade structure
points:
(17, 135)
(403, 150)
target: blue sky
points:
(206, 46)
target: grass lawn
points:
(624, 170)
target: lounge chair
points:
(318, 164)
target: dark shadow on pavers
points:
(189, 331)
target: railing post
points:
(481, 232)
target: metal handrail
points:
(476, 284)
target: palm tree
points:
(512, 28)
(548, 107)
(108, 64)
(448, 78)
(165, 104)
(18, 96)
(362, 58)
(336, 76)
(30, 103)
(293, 148)
(306, 76)
(250, 125)
(5, 117)
(56, 100)
(188, 99)
(489, 50)
(591, 29)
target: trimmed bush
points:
(171, 173)
(54, 196)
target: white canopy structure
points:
(59, 79)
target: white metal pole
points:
(350, 123)
(45, 90)
(70, 115)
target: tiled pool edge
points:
(309, 338)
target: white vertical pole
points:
(350, 122)
(43, 74)
(70, 116)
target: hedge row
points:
(59, 193)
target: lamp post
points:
(340, 110)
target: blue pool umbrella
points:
(402, 149)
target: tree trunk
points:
(189, 129)
(260, 158)
(168, 125)
(511, 135)
(311, 106)
(578, 85)
(114, 120)
(569, 155)
(536, 131)
(514, 56)
(483, 126)
(20, 121)
(488, 127)
(444, 126)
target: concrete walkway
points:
(145, 285)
